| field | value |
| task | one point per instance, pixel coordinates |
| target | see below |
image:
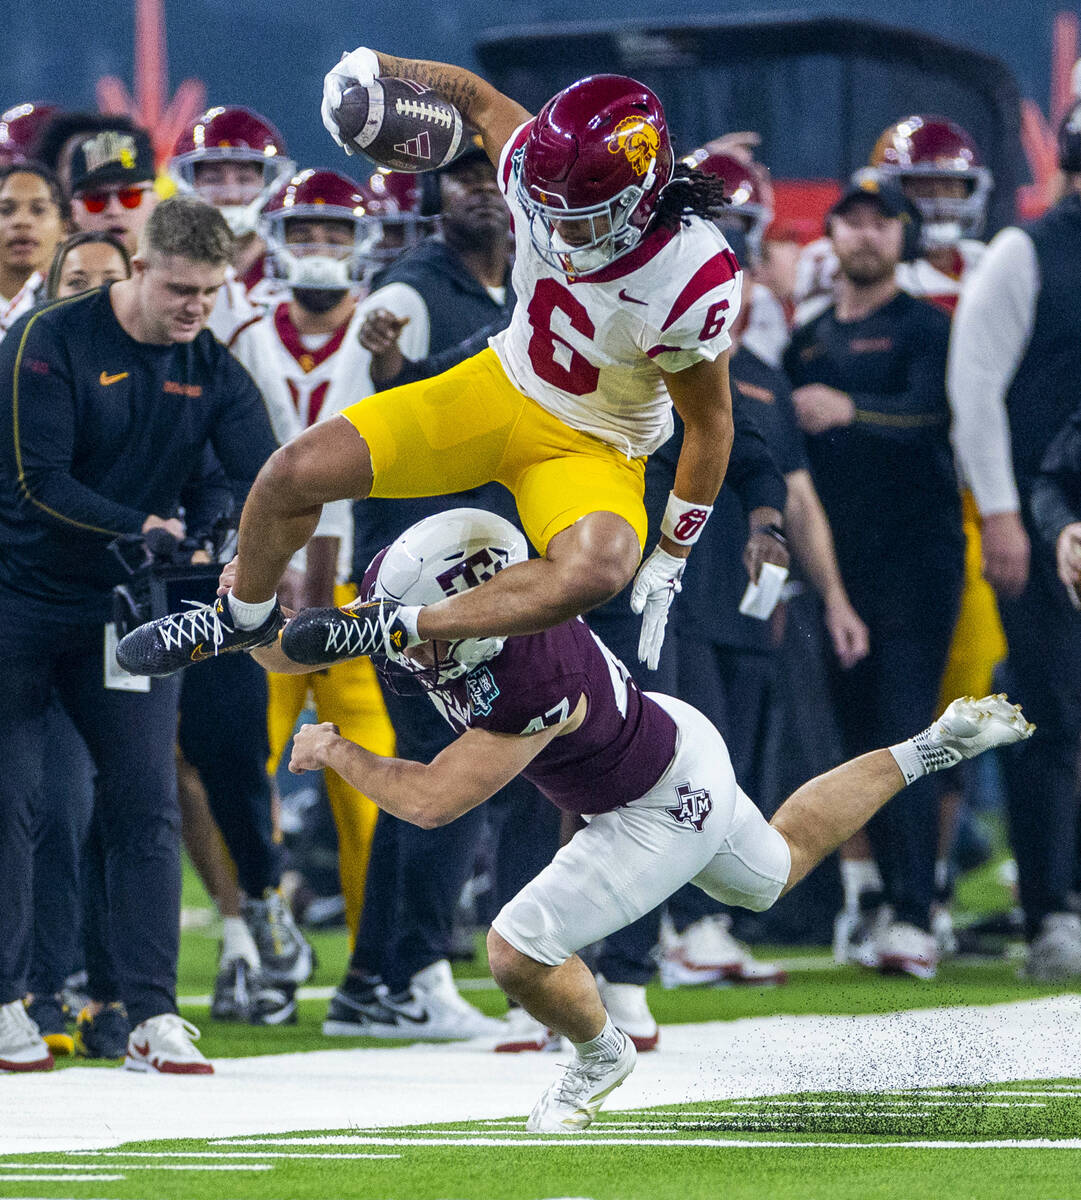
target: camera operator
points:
(107, 402)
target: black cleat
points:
(104, 1035)
(320, 637)
(169, 644)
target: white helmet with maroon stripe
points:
(441, 556)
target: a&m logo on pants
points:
(693, 807)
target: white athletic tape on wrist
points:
(684, 522)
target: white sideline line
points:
(163, 1167)
(912, 1105)
(569, 1142)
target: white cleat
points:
(627, 1006)
(904, 949)
(525, 1034)
(22, 1048)
(969, 727)
(707, 953)
(571, 1103)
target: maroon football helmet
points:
(396, 201)
(591, 171)
(231, 134)
(919, 149)
(19, 125)
(749, 189)
(321, 196)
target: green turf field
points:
(387, 1129)
(960, 1144)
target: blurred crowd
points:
(901, 524)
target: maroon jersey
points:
(617, 754)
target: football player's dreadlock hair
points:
(690, 193)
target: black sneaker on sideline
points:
(320, 637)
(104, 1035)
(169, 644)
(242, 993)
(51, 1017)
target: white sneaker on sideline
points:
(1056, 952)
(905, 949)
(570, 1104)
(523, 1033)
(942, 928)
(627, 1006)
(450, 1013)
(706, 953)
(166, 1045)
(22, 1048)
(856, 935)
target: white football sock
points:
(250, 616)
(607, 1043)
(859, 875)
(237, 942)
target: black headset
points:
(1069, 139)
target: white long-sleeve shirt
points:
(991, 330)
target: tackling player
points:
(649, 773)
(625, 294)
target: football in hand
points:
(400, 124)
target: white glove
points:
(359, 66)
(655, 587)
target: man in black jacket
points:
(107, 402)
(869, 388)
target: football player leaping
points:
(626, 292)
(649, 773)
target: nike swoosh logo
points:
(105, 378)
(143, 1050)
(631, 299)
(198, 654)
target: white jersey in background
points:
(591, 350)
(232, 309)
(32, 292)
(817, 268)
(303, 381)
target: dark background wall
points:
(272, 54)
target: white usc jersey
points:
(591, 350)
(303, 384)
(232, 309)
(817, 268)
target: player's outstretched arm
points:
(493, 115)
(470, 770)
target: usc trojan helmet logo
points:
(638, 140)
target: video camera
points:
(161, 577)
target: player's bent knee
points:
(598, 558)
(507, 964)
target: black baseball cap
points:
(111, 156)
(866, 188)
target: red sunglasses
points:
(129, 197)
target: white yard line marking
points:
(577, 1140)
(913, 1104)
(164, 1167)
(215, 1154)
(61, 1178)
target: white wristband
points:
(683, 522)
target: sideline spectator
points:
(869, 389)
(1015, 359)
(112, 184)
(33, 220)
(95, 380)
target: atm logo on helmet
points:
(638, 140)
(473, 570)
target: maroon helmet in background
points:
(232, 134)
(321, 196)
(929, 156)
(592, 169)
(397, 199)
(749, 190)
(19, 125)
